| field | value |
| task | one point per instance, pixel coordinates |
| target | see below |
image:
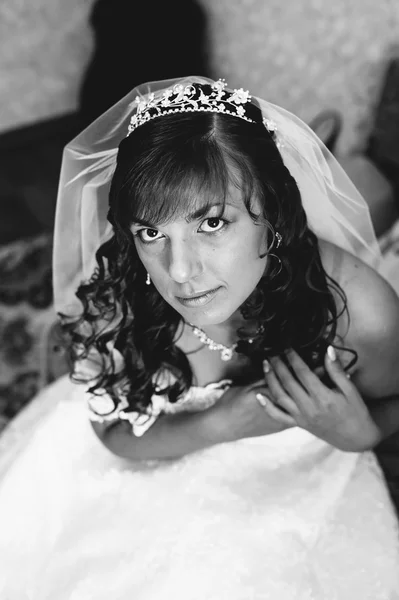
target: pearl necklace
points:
(226, 352)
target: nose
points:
(185, 261)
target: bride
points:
(234, 362)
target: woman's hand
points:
(338, 416)
(238, 414)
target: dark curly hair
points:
(162, 169)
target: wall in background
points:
(306, 55)
(44, 48)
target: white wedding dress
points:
(279, 517)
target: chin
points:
(202, 318)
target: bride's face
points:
(204, 266)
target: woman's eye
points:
(148, 235)
(214, 224)
(210, 225)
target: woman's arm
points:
(355, 415)
(170, 437)
(374, 332)
(236, 415)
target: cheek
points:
(238, 266)
(149, 259)
(246, 248)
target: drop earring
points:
(148, 280)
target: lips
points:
(199, 299)
(197, 295)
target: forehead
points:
(235, 194)
(202, 207)
(188, 194)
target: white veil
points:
(335, 209)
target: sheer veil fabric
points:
(335, 210)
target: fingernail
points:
(332, 355)
(266, 366)
(261, 399)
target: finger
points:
(288, 379)
(308, 379)
(279, 393)
(273, 411)
(257, 383)
(320, 371)
(336, 371)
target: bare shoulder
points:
(372, 302)
(373, 326)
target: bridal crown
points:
(192, 98)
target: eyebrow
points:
(197, 214)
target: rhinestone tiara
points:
(191, 98)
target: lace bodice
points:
(101, 408)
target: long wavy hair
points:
(165, 168)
